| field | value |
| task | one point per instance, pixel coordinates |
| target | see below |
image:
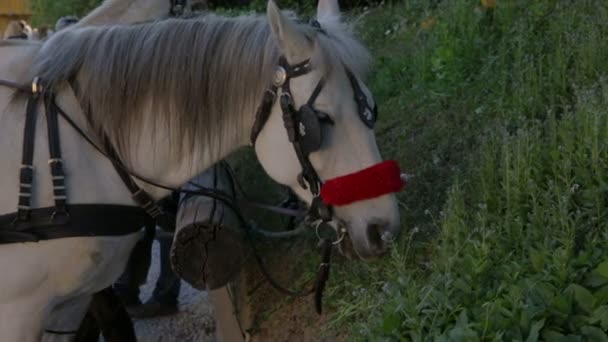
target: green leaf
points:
(602, 269)
(552, 335)
(594, 334)
(563, 304)
(537, 259)
(595, 280)
(600, 315)
(390, 323)
(462, 320)
(535, 330)
(462, 334)
(601, 295)
(583, 297)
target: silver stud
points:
(279, 77)
(302, 129)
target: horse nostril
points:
(377, 232)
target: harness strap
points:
(85, 220)
(308, 179)
(295, 70)
(315, 92)
(139, 195)
(55, 161)
(21, 87)
(26, 172)
(263, 112)
(367, 114)
(322, 274)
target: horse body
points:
(113, 12)
(54, 293)
(38, 277)
(173, 97)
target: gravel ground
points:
(193, 323)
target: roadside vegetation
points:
(498, 111)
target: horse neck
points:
(151, 156)
(114, 12)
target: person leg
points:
(136, 271)
(168, 283)
(166, 291)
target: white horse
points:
(66, 317)
(172, 107)
(116, 12)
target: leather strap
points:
(263, 112)
(21, 87)
(139, 195)
(308, 178)
(26, 172)
(84, 220)
(55, 160)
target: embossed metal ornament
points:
(279, 77)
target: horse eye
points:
(325, 118)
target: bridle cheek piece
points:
(304, 130)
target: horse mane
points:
(203, 76)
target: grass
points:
(500, 116)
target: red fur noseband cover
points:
(377, 180)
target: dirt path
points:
(193, 323)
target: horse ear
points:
(328, 9)
(294, 44)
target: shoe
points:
(129, 300)
(152, 308)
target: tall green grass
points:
(500, 117)
(521, 252)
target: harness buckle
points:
(63, 213)
(36, 86)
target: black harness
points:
(304, 131)
(63, 220)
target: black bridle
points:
(303, 125)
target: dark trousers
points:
(167, 286)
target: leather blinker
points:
(308, 129)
